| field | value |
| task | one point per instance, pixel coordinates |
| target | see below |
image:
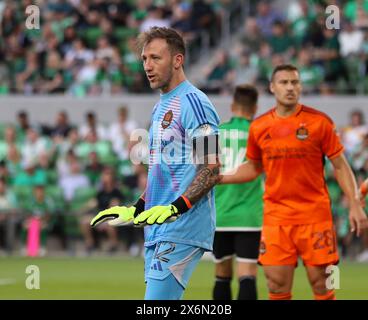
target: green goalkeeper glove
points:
(118, 216)
(162, 214)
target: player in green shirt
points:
(239, 207)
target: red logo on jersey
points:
(302, 133)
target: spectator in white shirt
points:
(34, 145)
(92, 125)
(154, 19)
(120, 132)
(75, 180)
(351, 40)
(78, 56)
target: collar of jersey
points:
(173, 92)
(236, 118)
(294, 114)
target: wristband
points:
(139, 206)
(182, 204)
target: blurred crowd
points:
(330, 60)
(87, 47)
(354, 137)
(64, 174)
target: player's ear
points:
(178, 60)
(271, 87)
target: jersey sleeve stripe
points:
(335, 153)
(194, 109)
(250, 157)
(200, 106)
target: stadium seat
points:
(22, 194)
(56, 193)
(91, 35)
(123, 33)
(84, 199)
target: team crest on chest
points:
(166, 121)
(302, 132)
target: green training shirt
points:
(239, 207)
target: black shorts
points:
(243, 244)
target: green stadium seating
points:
(123, 33)
(91, 35)
(56, 193)
(52, 176)
(71, 225)
(82, 199)
(23, 194)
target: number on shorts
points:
(325, 239)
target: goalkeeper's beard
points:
(164, 83)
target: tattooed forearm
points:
(206, 177)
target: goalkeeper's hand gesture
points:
(162, 214)
(116, 216)
(157, 215)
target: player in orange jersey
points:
(289, 144)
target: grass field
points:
(122, 278)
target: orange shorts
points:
(314, 243)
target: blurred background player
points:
(289, 143)
(239, 208)
(177, 191)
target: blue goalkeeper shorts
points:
(168, 268)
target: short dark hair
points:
(90, 114)
(246, 96)
(173, 38)
(22, 114)
(283, 67)
(123, 109)
(360, 114)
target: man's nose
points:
(147, 66)
(289, 86)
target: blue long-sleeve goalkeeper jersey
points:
(181, 115)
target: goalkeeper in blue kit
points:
(177, 207)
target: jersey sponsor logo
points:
(167, 119)
(302, 132)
